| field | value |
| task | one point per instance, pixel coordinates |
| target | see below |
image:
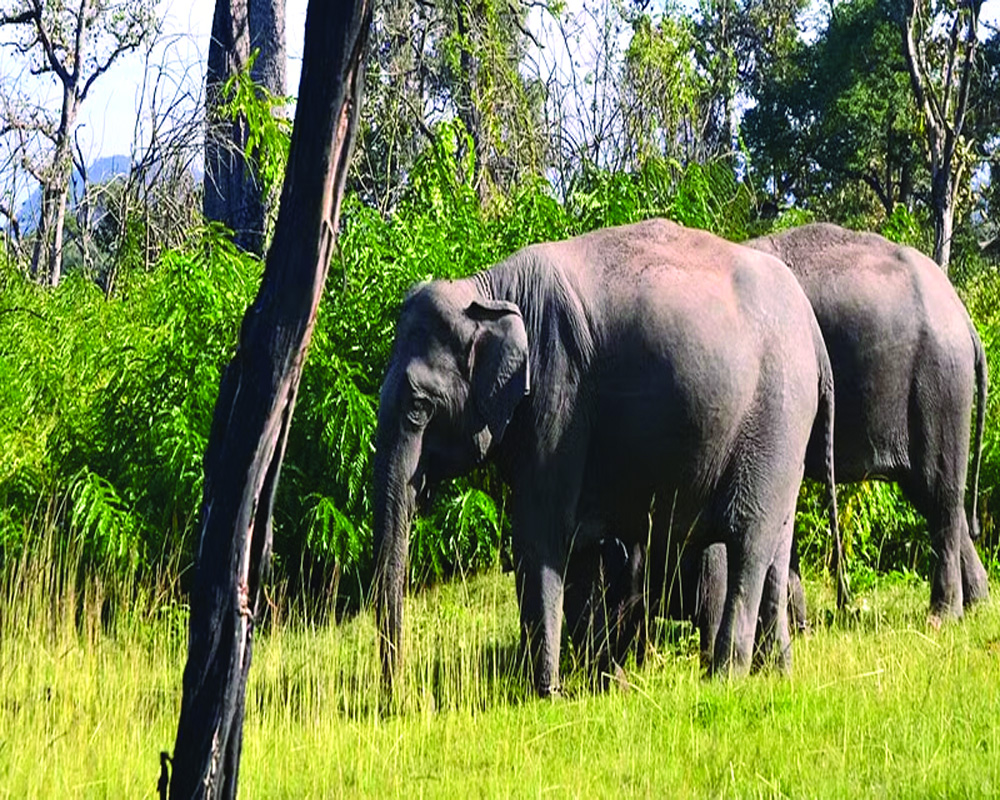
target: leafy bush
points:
(982, 297)
(107, 402)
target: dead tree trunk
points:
(256, 398)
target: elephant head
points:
(458, 369)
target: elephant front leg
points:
(540, 597)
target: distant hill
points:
(103, 169)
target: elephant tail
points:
(977, 453)
(825, 418)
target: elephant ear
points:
(498, 365)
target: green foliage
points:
(834, 124)
(663, 90)
(982, 297)
(904, 227)
(707, 196)
(880, 530)
(268, 126)
(107, 402)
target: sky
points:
(108, 116)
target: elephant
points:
(603, 374)
(906, 361)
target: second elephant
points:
(907, 363)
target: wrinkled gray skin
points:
(906, 361)
(662, 361)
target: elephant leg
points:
(539, 590)
(581, 590)
(634, 608)
(747, 568)
(798, 620)
(540, 536)
(774, 638)
(710, 598)
(948, 531)
(975, 581)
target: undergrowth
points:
(106, 402)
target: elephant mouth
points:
(425, 492)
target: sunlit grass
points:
(878, 706)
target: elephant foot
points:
(942, 615)
(975, 581)
(728, 662)
(728, 670)
(946, 594)
(975, 591)
(938, 617)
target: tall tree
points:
(268, 41)
(76, 42)
(227, 173)
(940, 39)
(834, 123)
(432, 62)
(256, 397)
(984, 104)
(662, 92)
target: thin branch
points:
(15, 226)
(25, 16)
(43, 37)
(80, 37)
(122, 48)
(971, 42)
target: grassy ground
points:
(881, 707)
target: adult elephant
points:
(906, 362)
(663, 362)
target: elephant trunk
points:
(395, 500)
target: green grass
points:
(883, 706)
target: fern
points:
(103, 524)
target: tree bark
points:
(256, 397)
(226, 172)
(46, 257)
(267, 37)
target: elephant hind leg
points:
(746, 572)
(975, 581)
(710, 599)
(947, 534)
(798, 618)
(774, 643)
(941, 505)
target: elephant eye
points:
(421, 409)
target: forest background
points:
(486, 126)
